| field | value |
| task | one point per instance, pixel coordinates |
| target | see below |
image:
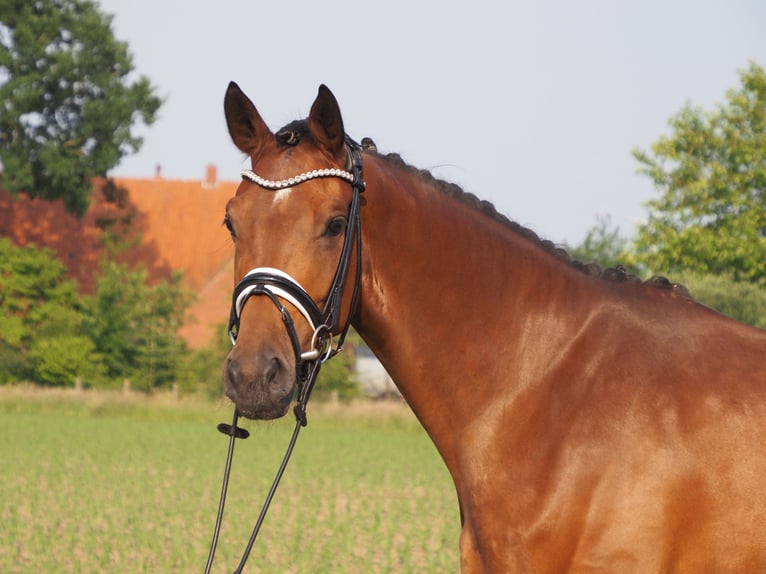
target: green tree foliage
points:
(37, 301)
(739, 300)
(126, 330)
(202, 369)
(711, 172)
(68, 98)
(335, 379)
(134, 326)
(604, 245)
(51, 334)
(62, 360)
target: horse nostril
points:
(263, 369)
(232, 370)
(272, 370)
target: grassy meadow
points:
(100, 482)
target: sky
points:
(534, 106)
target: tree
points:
(711, 172)
(135, 326)
(64, 359)
(603, 245)
(50, 334)
(68, 99)
(37, 303)
(202, 369)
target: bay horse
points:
(590, 422)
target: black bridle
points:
(277, 286)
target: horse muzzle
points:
(260, 378)
(261, 385)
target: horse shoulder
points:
(640, 444)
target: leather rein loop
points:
(277, 286)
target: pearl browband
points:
(285, 183)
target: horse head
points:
(289, 221)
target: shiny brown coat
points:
(589, 425)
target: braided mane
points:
(617, 274)
(294, 132)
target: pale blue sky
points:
(534, 106)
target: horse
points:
(590, 421)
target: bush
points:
(37, 301)
(743, 301)
(335, 380)
(62, 360)
(135, 326)
(51, 334)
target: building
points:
(373, 379)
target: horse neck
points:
(445, 290)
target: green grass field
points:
(107, 483)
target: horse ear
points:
(325, 122)
(247, 129)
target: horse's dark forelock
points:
(292, 133)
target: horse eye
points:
(335, 227)
(229, 226)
